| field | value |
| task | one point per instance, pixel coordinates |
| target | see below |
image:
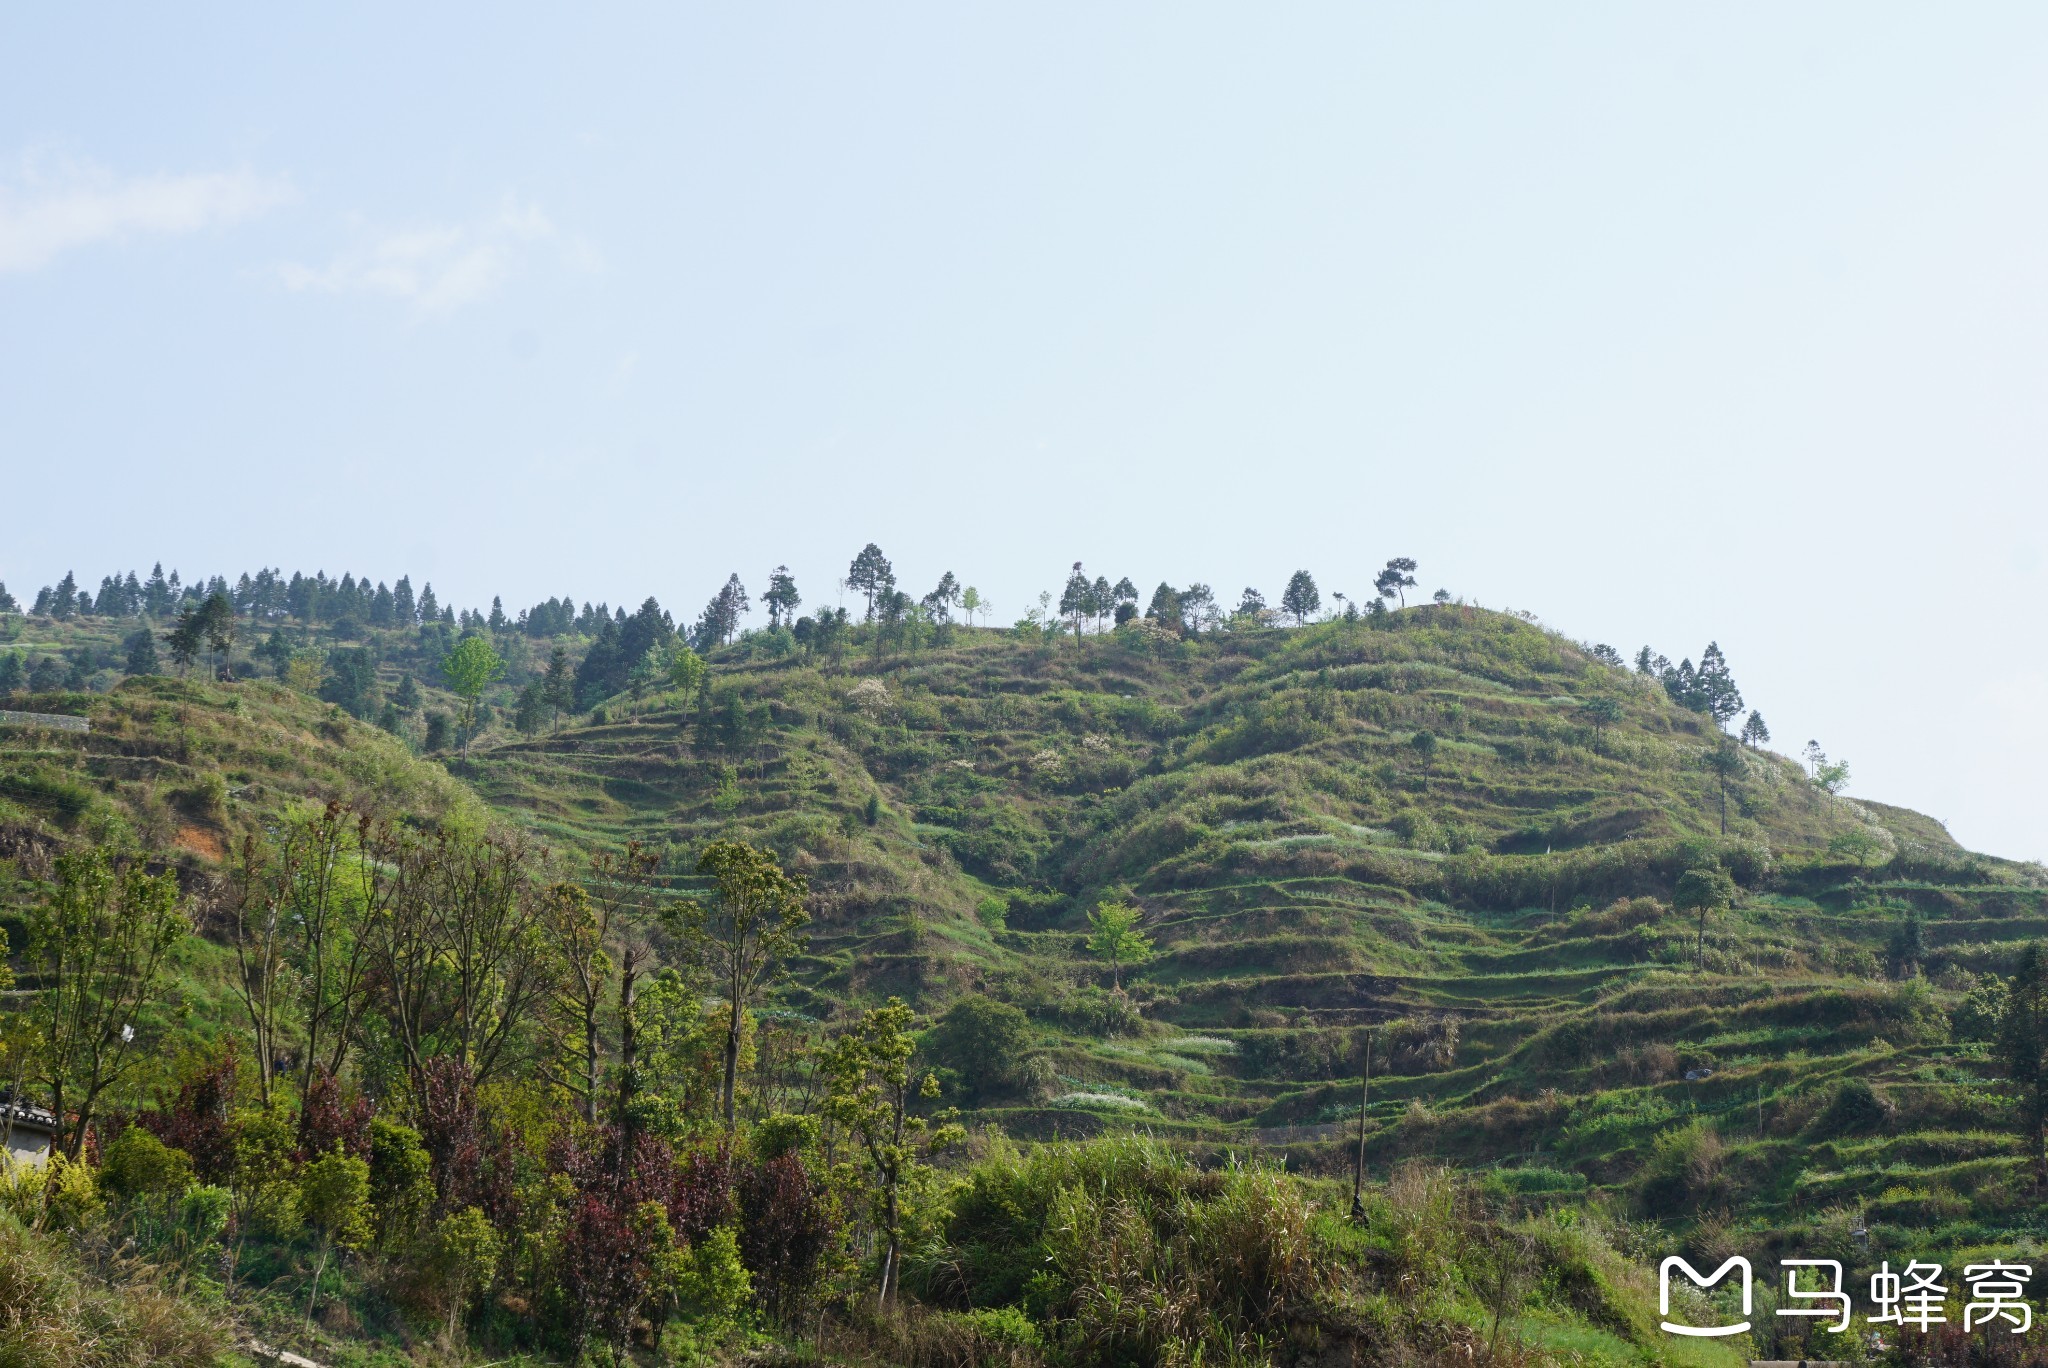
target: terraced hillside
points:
(1448, 829)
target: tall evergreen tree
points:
(1077, 600)
(7, 600)
(404, 612)
(943, 596)
(156, 592)
(430, 607)
(1164, 608)
(2021, 1050)
(1123, 601)
(871, 573)
(1715, 688)
(1301, 597)
(141, 648)
(558, 686)
(782, 598)
(1754, 732)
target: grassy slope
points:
(1304, 869)
(1305, 872)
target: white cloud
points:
(53, 207)
(439, 268)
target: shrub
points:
(787, 1227)
(1683, 1171)
(1855, 1108)
(137, 1164)
(982, 1040)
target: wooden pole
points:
(1358, 1167)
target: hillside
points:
(1414, 824)
(1498, 906)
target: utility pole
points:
(1358, 1167)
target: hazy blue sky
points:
(1665, 323)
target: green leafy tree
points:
(1113, 936)
(939, 602)
(984, 1041)
(872, 574)
(401, 1180)
(2021, 1049)
(971, 603)
(1301, 597)
(1724, 762)
(754, 923)
(469, 669)
(1424, 743)
(530, 714)
(1077, 600)
(1907, 946)
(1603, 711)
(96, 943)
(1700, 893)
(216, 624)
(782, 598)
(649, 670)
(334, 1201)
(186, 638)
(686, 672)
(871, 1088)
(461, 1256)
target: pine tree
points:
(1714, 687)
(2021, 1049)
(141, 646)
(558, 686)
(1397, 579)
(871, 573)
(13, 678)
(430, 607)
(156, 593)
(1754, 732)
(404, 612)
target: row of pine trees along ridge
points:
(643, 650)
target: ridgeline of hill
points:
(1420, 824)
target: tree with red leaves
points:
(787, 1229)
